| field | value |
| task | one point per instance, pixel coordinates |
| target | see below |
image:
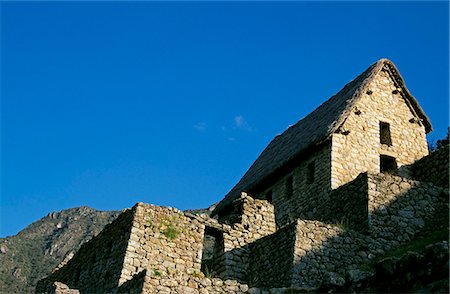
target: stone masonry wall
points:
(257, 221)
(348, 205)
(164, 242)
(433, 168)
(324, 249)
(144, 282)
(151, 249)
(271, 259)
(168, 245)
(306, 196)
(359, 150)
(157, 261)
(148, 249)
(97, 266)
(398, 209)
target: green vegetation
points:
(197, 274)
(149, 224)
(343, 224)
(168, 226)
(208, 272)
(171, 232)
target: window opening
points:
(388, 164)
(310, 172)
(385, 133)
(289, 187)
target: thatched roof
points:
(316, 128)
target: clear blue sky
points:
(109, 103)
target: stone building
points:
(372, 125)
(328, 195)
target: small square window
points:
(388, 164)
(385, 133)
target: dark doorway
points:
(213, 248)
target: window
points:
(310, 172)
(385, 133)
(289, 187)
(388, 164)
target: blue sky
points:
(106, 104)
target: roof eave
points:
(411, 99)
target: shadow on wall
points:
(217, 262)
(398, 209)
(347, 205)
(393, 221)
(104, 262)
(236, 262)
(135, 285)
(271, 259)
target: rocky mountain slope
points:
(35, 251)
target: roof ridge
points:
(377, 67)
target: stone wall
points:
(306, 194)
(271, 259)
(301, 254)
(357, 147)
(308, 252)
(348, 205)
(399, 207)
(322, 250)
(148, 249)
(151, 249)
(433, 168)
(146, 282)
(164, 242)
(97, 266)
(257, 220)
